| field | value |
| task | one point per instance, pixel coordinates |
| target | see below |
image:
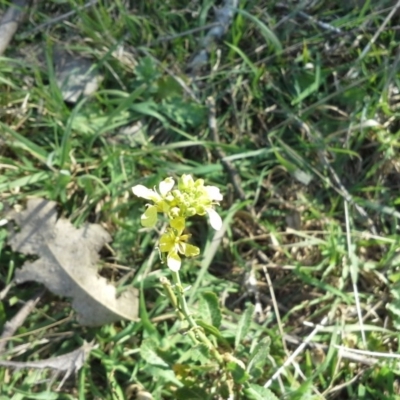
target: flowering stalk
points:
(198, 331)
(174, 301)
(188, 199)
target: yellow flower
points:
(162, 200)
(190, 198)
(174, 243)
(195, 198)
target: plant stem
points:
(184, 309)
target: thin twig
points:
(379, 31)
(321, 24)
(183, 34)
(367, 48)
(365, 353)
(362, 357)
(16, 322)
(344, 384)
(276, 308)
(353, 272)
(293, 356)
(279, 322)
(4, 292)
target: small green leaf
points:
(148, 108)
(212, 330)
(183, 112)
(144, 316)
(290, 167)
(304, 392)
(259, 355)
(239, 374)
(147, 71)
(164, 374)
(209, 309)
(199, 353)
(148, 351)
(257, 392)
(244, 324)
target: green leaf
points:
(22, 394)
(163, 374)
(148, 108)
(290, 167)
(244, 324)
(186, 114)
(24, 143)
(199, 353)
(25, 180)
(239, 374)
(212, 330)
(147, 71)
(257, 392)
(144, 316)
(265, 31)
(259, 357)
(303, 392)
(148, 351)
(193, 393)
(209, 308)
(311, 88)
(245, 58)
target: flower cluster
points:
(189, 198)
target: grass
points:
(305, 153)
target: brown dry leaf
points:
(67, 263)
(68, 363)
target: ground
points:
(291, 110)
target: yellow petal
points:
(166, 185)
(178, 224)
(184, 238)
(173, 261)
(149, 218)
(163, 206)
(215, 219)
(167, 242)
(199, 183)
(190, 250)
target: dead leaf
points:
(67, 263)
(75, 76)
(9, 23)
(68, 363)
